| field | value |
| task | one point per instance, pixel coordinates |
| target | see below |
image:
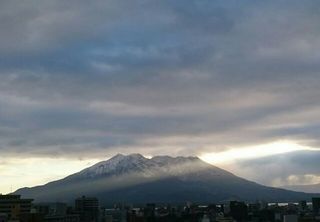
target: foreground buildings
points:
(88, 209)
(316, 205)
(13, 208)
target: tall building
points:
(316, 205)
(88, 209)
(12, 206)
(149, 210)
(238, 210)
(303, 205)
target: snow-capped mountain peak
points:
(124, 164)
(134, 178)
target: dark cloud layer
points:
(88, 80)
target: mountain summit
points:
(136, 179)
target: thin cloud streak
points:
(254, 152)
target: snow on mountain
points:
(136, 163)
(118, 164)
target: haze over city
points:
(235, 83)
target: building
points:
(57, 208)
(12, 206)
(238, 210)
(290, 218)
(224, 219)
(3, 217)
(303, 206)
(316, 205)
(31, 217)
(149, 210)
(119, 215)
(205, 218)
(88, 209)
(56, 212)
(62, 218)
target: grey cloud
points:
(299, 167)
(304, 161)
(221, 73)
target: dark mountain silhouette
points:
(162, 179)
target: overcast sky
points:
(81, 81)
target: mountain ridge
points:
(134, 178)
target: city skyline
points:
(234, 83)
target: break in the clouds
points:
(301, 167)
(86, 80)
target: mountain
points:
(312, 188)
(162, 179)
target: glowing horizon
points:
(49, 169)
(262, 150)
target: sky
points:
(233, 82)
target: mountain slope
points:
(136, 179)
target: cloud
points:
(81, 81)
(290, 180)
(295, 168)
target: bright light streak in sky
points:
(253, 152)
